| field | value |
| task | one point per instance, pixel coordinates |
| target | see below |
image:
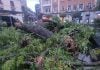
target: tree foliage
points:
(13, 55)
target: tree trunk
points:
(36, 29)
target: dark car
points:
(9, 20)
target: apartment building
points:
(58, 6)
(11, 8)
(50, 6)
(80, 5)
(46, 6)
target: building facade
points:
(80, 5)
(24, 3)
(86, 7)
(46, 6)
(11, 8)
(58, 6)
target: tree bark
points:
(35, 29)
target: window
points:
(69, 7)
(47, 1)
(75, 7)
(55, 8)
(1, 6)
(47, 9)
(63, 8)
(89, 5)
(12, 5)
(80, 6)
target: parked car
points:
(8, 19)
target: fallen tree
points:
(35, 29)
(36, 53)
